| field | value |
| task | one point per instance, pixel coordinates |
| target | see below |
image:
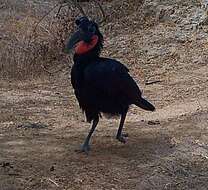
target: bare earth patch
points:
(41, 126)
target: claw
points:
(122, 138)
(125, 135)
(83, 149)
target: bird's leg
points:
(86, 147)
(120, 136)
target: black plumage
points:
(102, 85)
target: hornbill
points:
(101, 85)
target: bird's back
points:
(111, 78)
(104, 85)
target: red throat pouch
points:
(83, 47)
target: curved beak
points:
(75, 38)
(78, 36)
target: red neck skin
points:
(83, 47)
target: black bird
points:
(101, 85)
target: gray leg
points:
(86, 147)
(120, 136)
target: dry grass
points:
(25, 52)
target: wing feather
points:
(111, 78)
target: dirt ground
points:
(41, 124)
(166, 149)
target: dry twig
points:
(49, 179)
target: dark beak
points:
(75, 38)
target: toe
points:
(83, 149)
(125, 135)
(121, 139)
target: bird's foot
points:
(85, 148)
(122, 137)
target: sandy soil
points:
(166, 149)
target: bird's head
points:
(87, 38)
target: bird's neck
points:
(90, 56)
(86, 58)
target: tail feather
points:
(144, 104)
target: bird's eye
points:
(77, 22)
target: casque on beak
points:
(77, 37)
